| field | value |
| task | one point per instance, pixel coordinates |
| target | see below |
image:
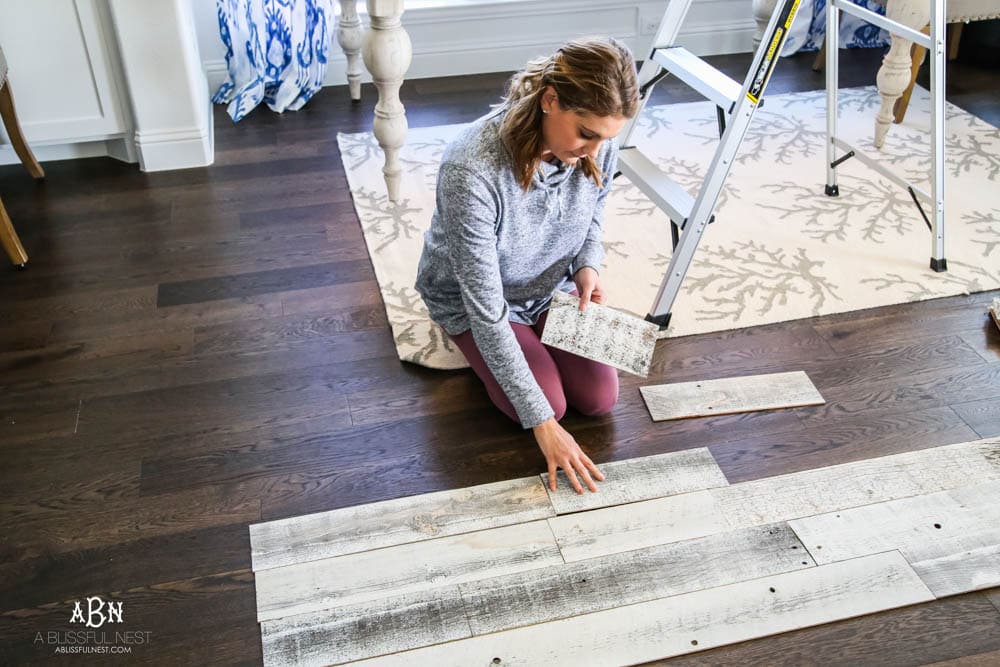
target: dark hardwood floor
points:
(193, 351)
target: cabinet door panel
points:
(61, 69)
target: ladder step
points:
(660, 188)
(701, 76)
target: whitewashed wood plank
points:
(690, 622)
(642, 478)
(681, 400)
(962, 572)
(809, 492)
(637, 525)
(399, 521)
(406, 568)
(365, 630)
(595, 584)
(922, 528)
(600, 333)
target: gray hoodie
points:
(495, 253)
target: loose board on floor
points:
(702, 398)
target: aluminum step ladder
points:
(934, 43)
(736, 107)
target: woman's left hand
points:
(588, 286)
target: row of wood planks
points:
(668, 558)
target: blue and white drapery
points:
(809, 28)
(276, 52)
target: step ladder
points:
(934, 43)
(736, 106)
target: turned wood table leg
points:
(350, 36)
(894, 75)
(387, 53)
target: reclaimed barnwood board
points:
(681, 400)
(405, 568)
(925, 527)
(846, 485)
(596, 584)
(601, 334)
(637, 525)
(641, 478)
(690, 622)
(365, 629)
(972, 570)
(399, 521)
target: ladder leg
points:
(832, 44)
(938, 261)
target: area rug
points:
(779, 249)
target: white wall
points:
(452, 37)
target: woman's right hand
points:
(562, 451)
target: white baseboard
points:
(180, 148)
(463, 39)
(74, 151)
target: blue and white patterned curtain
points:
(276, 52)
(809, 28)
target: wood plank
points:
(642, 478)
(937, 630)
(925, 527)
(994, 597)
(406, 568)
(846, 485)
(681, 400)
(982, 416)
(603, 334)
(365, 630)
(690, 622)
(972, 570)
(394, 522)
(648, 523)
(596, 584)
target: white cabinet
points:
(63, 72)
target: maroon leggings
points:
(589, 386)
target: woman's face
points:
(569, 135)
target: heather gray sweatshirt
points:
(495, 253)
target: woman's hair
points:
(590, 75)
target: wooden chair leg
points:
(9, 240)
(820, 61)
(918, 53)
(9, 116)
(954, 39)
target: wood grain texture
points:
(772, 391)
(596, 584)
(961, 572)
(600, 333)
(858, 483)
(365, 630)
(407, 568)
(642, 478)
(930, 632)
(400, 521)
(637, 525)
(690, 622)
(927, 527)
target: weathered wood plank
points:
(600, 333)
(627, 527)
(399, 521)
(749, 393)
(406, 568)
(922, 528)
(596, 584)
(961, 572)
(365, 630)
(690, 622)
(641, 478)
(857, 483)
